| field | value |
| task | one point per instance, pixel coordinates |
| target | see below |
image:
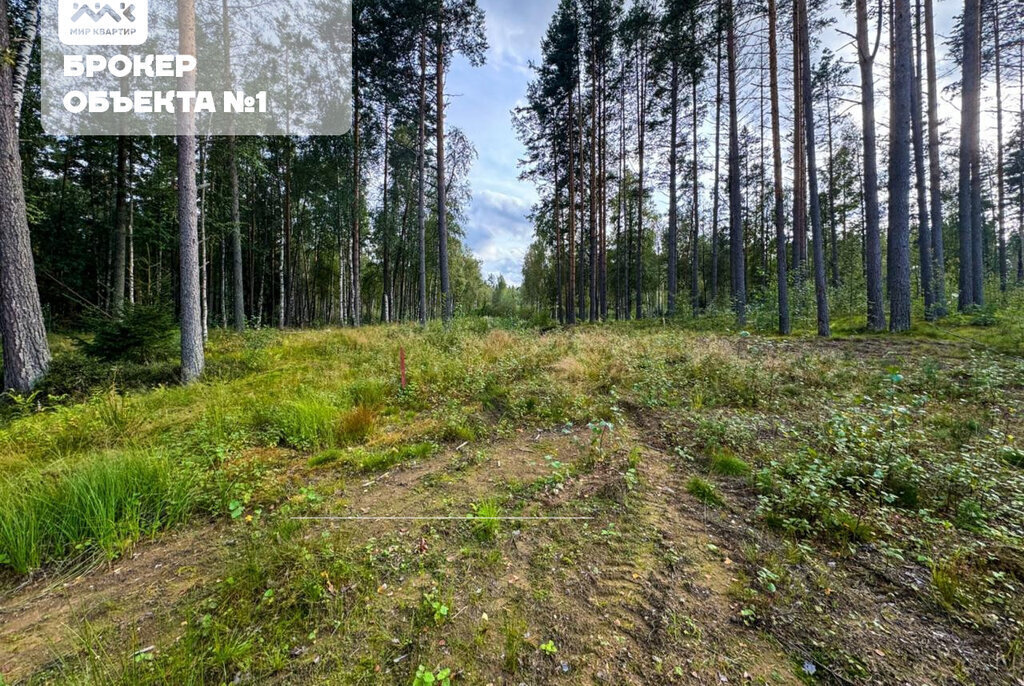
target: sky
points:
(481, 103)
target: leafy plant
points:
(549, 648)
(427, 677)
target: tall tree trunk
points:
(204, 276)
(969, 124)
(26, 354)
(799, 155)
(736, 258)
(192, 356)
(1000, 188)
(356, 254)
(935, 168)
(570, 295)
(716, 203)
(899, 168)
(817, 230)
(872, 231)
(780, 198)
(641, 92)
(593, 191)
(695, 236)
(924, 233)
(447, 303)
(673, 202)
(121, 228)
(236, 222)
(421, 191)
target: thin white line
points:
(460, 519)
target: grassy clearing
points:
(752, 504)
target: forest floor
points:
(630, 504)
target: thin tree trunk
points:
(899, 168)
(236, 223)
(968, 148)
(935, 168)
(924, 233)
(736, 257)
(673, 203)
(192, 357)
(780, 201)
(121, 229)
(872, 231)
(1000, 188)
(447, 304)
(817, 230)
(718, 156)
(695, 238)
(421, 166)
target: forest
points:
(750, 413)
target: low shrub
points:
(143, 334)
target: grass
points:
(98, 507)
(704, 491)
(880, 454)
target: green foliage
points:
(142, 334)
(101, 506)
(704, 491)
(725, 463)
(426, 677)
(485, 522)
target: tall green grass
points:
(97, 507)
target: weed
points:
(325, 458)
(355, 425)
(426, 677)
(704, 491)
(485, 520)
(724, 463)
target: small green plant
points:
(704, 491)
(436, 606)
(427, 677)
(325, 458)
(485, 520)
(724, 463)
(549, 648)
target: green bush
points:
(142, 334)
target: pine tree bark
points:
(1000, 187)
(780, 198)
(969, 124)
(673, 206)
(26, 353)
(817, 230)
(924, 242)
(872, 233)
(736, 257)
(442, 190)
(935, 169)
(421, 192)
(238, 276)
(192, 356)
(121, 228)
(899, 169)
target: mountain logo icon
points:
(103, 22)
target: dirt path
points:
(127, 603)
